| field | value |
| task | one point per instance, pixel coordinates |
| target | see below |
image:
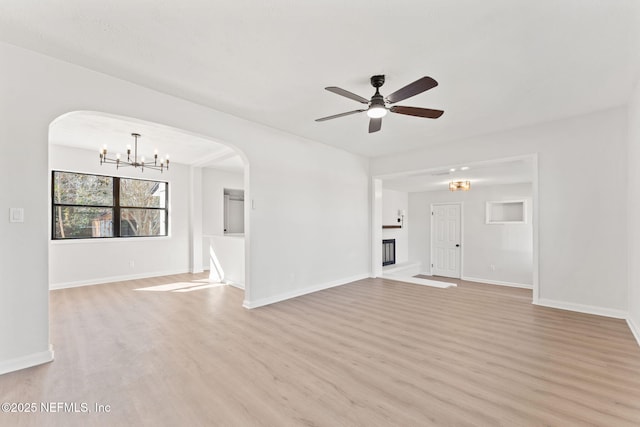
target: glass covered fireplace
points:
(388, 251)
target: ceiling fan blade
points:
(412, 89)
(418, 112)
(347, 94)
(375, 125)
(335, 116)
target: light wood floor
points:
(371, 353)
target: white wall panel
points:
(634, 211)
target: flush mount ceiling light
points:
(459, 185)
(156, 165)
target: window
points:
(95, 206)
(507, 212)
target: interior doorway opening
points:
(233, 211)
(195, 212)
(497, 229)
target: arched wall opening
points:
(200, 169)
(308, 223)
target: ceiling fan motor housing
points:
(377, 81)
(377, 100)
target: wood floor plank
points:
(371, 353)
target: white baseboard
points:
(589, 309)
(299, 292)
(28, 361)
(234, 284)
(635, 329)
(112, 279)
(497, 282)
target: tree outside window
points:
(94, 206)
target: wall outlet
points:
(132, 264)
(16, 215)
(492, 267)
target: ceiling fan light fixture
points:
(376, 111)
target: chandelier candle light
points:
(159, 166)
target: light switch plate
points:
(16, 215)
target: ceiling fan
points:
(379, 105)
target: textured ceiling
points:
(499, 63)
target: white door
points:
(445, 240)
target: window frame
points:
(116, 208)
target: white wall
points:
(392, 202)
(582, 171)
(633, 206)
(309, 228)
(78, 262)
(227, 259)
(508, 247)
(195, 220)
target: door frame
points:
(461, 227)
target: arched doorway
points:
(194, 211)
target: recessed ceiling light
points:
(464, 168)
(452, 170)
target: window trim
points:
(115, 208)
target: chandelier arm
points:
(135, 157)
(164, 164)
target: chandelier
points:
(159, 165)
(459, 185)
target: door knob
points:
(457, 246)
